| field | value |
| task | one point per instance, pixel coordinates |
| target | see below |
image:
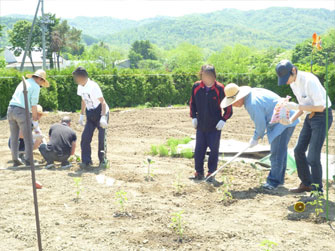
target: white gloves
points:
(253, 142)
(103, 122)
(220, 125)
(81, 120)
(285, 121)
(195, 123)
(36, 127)
(292, 106)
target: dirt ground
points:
(251, 217)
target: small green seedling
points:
(150, 170)
(224, 189)
(77, 182)
(268, 245)
(163, 151)
(178, 224)
(318, 201)
(121, 200)
(153, 150)
(187, 153)
(173, 151)
(178, 185)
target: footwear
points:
(302, 188)
(267, 186)
(66, 165)
(210, 179)
(84, 165)
(198, 177)
(49, 165)
(18, 162)
(27, 162)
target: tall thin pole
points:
(327, 185)
(32, 166)
(43, 34)
(29, 37)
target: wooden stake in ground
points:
(32, 166)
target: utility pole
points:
(29, 37)
(43, 34)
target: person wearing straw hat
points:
(97, 113)
(17, 117)
(208, 120)
(260, 104)
(311, 96)
(38, 138)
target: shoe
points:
(210, 179)
(27, 162)
(269, 187)
(18, 162)
(197, 177)
(66, 165)
(86, 166)
(104, 164)
(49, 165)
(302, 188)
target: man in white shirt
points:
(312, 99)
(97, 110)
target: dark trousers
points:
(92, 122)
(50, 155)
(312, 136)
(204, 140)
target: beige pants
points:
(17, 122)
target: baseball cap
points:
(283, 70)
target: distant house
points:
(121, 64)
(14, 62)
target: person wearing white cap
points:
(311, 96)
(260, 104)
(17, 117)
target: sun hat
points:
(41, 74)
(234, 93)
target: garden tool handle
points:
(235, 157)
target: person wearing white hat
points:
(260, 104)
(17, 117)
(311, 96)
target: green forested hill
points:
(276, 27)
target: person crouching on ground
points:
(97, 110)
(38, 138)
(260, 104)
(208, 120)
(312, 97)
(62, 144)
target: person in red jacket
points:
(207, 119)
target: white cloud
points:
(141, 9)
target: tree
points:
(18, 37)
(141, 50)
(65, 38)
(185, 56)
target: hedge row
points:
(129, 88)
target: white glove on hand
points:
(36, 127)
(253, 142)
(195, 123)
(285, 121)
(81, 119)
(103, 122)
(292, 106)
(220, 125)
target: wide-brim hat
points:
(234, 93)
(41, 74)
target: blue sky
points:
(140, 9)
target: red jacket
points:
(205, 106)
